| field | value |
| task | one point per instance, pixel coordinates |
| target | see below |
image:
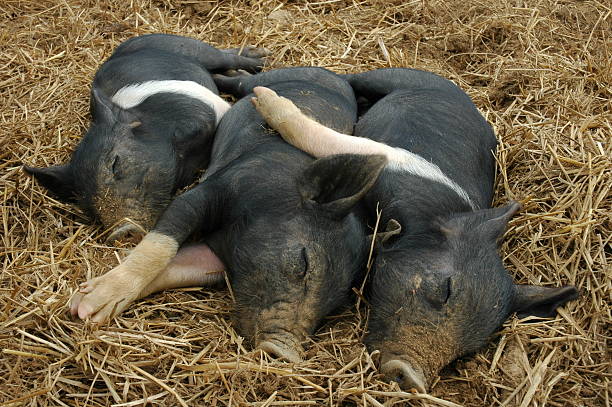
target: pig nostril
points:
(399, 378)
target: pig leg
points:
(319, 141)
(378, 83)
(208, 56)
(192, 266)
(231, 82)
(308, 135)
(107, 295)
(227, 61)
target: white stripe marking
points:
(404, 160)
(132, 95)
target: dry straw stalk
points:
(539, 71)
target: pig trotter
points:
(103, 297)
(281, 114)
(249, 52)
(277, 110)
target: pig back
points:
(149, 65)
(243, 131)
(444, 128)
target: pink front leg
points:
(193, 266)
(307, 134)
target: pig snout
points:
(413, 356)
(281, 334)
(126, 231)
(407, 375)
(285, 347)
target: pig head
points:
(282, 295)
(126, 168)
(451, 295)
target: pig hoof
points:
(86, 287)
(74, 303)
(407, 376)
(254, 52)
(236, 72)
(249, 51)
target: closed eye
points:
(305, 263)
(448, 289)
(115, 168)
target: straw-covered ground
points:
(540, 72)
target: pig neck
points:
(414, 201)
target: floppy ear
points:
(336, 183)
(541, 301)
(393, 228)
(496, 220)
(101, 107)
(103, 110)
(57, 179)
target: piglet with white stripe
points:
(439, 289)
(154, 110)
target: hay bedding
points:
(539, 71)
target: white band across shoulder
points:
(404, 160)
(132, 95)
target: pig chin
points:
(415, 355)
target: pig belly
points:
(194, 265)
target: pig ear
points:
(393, 228)
(336, 183)
(496, 220)
(101, 107)
(57, 179)
(541, 301)
(103, 110)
